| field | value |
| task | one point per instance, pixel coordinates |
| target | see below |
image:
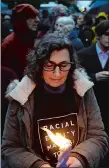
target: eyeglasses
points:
(63, 66)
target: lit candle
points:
(64, 146)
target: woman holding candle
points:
(57, 95)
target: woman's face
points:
(32, 23)
(57, 77)
(59, 26)
(80, 20)
(104, 40)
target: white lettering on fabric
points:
(51, 146)
(45, 126)
(51, 127)
(73, 133)
(56, 154)
(59, 125)
(66, 125)
(46, 138)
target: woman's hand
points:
(74, 163)
(65, 160)
(45, 165)
(63, 157)
(102, 76)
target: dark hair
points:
(42, 51)
(102, 27)
(88, 19)
(45, 13)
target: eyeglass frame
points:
(57, 65)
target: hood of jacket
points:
(102, 14)
(20, 14)
(20, 91)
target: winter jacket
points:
(18, 133)
(7, 75)
(90, 61)
(16, 46)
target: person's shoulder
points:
(9, 39)
(8, 72)
(78, 40)
(20, 90)
(89, 92)
(85, 50)
(82, 51)
(82, 81)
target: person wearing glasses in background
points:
(56, 94)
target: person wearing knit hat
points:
(15, 47)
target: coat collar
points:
(24, 88)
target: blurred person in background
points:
(95, 59)
(6, 26)
(16, 46)
(99, 18)
(58, 11)
(46, 22)
(83, 26)
(65, 26)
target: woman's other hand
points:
(74, 163)
(45, 165)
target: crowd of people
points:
(58, 63)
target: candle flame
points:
(58, 139)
